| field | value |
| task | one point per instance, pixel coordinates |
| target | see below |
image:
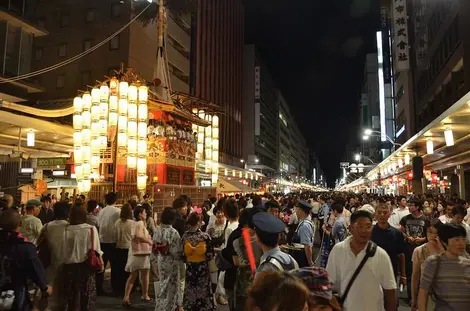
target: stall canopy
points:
(232, 185)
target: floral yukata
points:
(168, 250)
(198, 252)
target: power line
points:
(77, 57)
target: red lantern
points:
(409, 176)
(434, 178)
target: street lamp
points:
(357, 157)
(369, 132)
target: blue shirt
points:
(338, 230)
(324, 212)
(305, 231)
(276, 253)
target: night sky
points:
(315, 49)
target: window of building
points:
(114, 43)
(87, 45)
(85, 78)
(62, 51)
(115, 9)
(60, 83)
(64, 20)
(400, 93)
(38, 53)
(90, 15)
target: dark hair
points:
(179, 203)
(213, 200)
(418, 203)
(193, 219)
(61, 210)
(77, 215)
(449, 231)
(10, 219)
(126, 212)
(230, 209)
(268, 239)
(316, 301)
(217, 209)
(110, 198)
(132, 203)
(277, 290)
(148, 209)
(337, 207)
(340, 200)
(459, 210)
(186, 199)
(3, 204)
(137, 211)
(360, 214)
(168, 216)
(401, 197)
(257, 200)
(91, 206)
(45, 199)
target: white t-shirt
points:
(230, 228)
(106, 220)
(366, 293)
(397, 215)
(78, 243)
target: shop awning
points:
(232, 185)
(446, 152)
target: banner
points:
(400, 35)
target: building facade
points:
(77, 26)
(260, 113)
(18, 30)
(218, 69)
(294, 153)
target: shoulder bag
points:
(93, 258)
(371, 248)
(140, 248)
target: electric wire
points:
(76, 57)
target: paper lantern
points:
(103, 127)
(123, 89)
(86, 169)
(86, 185)
(95, 161)
(122, 123)
(113, 118)
(131, 161)
(104, 92)
(132, 94)
(77, 122)
(86, 119)
(141, 182)
(122, 139)
(407, 159)
(215, 122)
(77, 139)
(141, 165)
(113, 86)
(86, 137)
(95, 95)
(449, 137)
(142, 130)
(131, 146)
(132, 129)
(143, 94)
(86, 101)
(132, 111)
(143, 112)
(78, 172)
(142, 147)
(429, 147)
(95, 113)
(77, 156)
(123, 106)
(86, 154)
(78, 105)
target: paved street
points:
(112, 304)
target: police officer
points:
(304, 235)
(268, 228)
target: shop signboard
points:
(400, 35)
(51, 162)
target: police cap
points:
(268, 223)
(304, 206)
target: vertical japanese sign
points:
(400, 35)
(257, 82)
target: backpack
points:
(281, 266)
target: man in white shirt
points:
(447, 217)
(31, 225)
(106, 220)
(375, 285)
(398, 213)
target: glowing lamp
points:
(132, 94)
(86, 185)
(208, 154)
(215, 155)
(143, 94)
(215, 121)
(141, 165)
(407, 159)
(214, 179)
(95, 161)
(132, 111)
(86, 119)
(132, 129)
(240, 174)
(77, 122)
(449, 136)
(95, 113)
(86, 154)
(215, 144)
(114, 86)
(77, 139)
(215, 133)
(123, 106)
(131, 146)
(104, 92)
(122, 123)
(78, 172)
(429, 147)
(86, 169)
(122, 139)
(103, 142)
(142, 147)
(104, 108)
(143, 112)
(30, 139)
(95, 145)
(141, 182)
(400, 163)
(86, 101)
(131, 161)
(208, 131)
(95, 95)
(78, 104)
(142, 130)
(113, 103)
(86, 137)
(113, 118)
(201, 114)
(103, 127)
(77, 156)
(123, 89)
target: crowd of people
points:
(296, 252)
